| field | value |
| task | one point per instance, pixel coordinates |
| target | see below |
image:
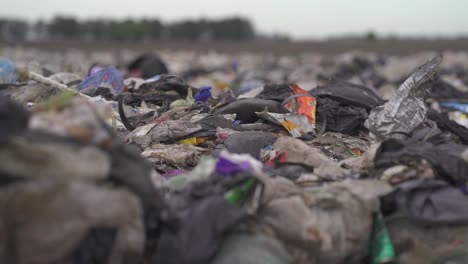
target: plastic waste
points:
(460, 106)
(460, 118)
(246, 142)
(280, 174)
(298, 152)
(406, 109)
(301, 103)
(382, 250)
(7, 71)
(146, 66)
(94, 69)
(189, 101)
(335, 117)
(245, 109)
(203, 94)
(348, 94)
(109, 78)
(296, 125)
(178, 156)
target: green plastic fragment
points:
(235, 195)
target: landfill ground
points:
(387, 46)
(312, 153)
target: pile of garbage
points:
(137, 164)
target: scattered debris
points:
(245, 164)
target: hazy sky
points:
(299, 18)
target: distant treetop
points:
(68, 27)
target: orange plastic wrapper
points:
(302, 105)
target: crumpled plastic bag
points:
(109, 78)
(43, 221)
(246, 108)
(33, 159)
(348, 94)
(169, 130)
(30, 93)
(178, 155)
(337, 117)
(201, 172)
(406, 109)
(246, 142)
(75, 117)
(298, 152)
(184, 103)
(323, 224)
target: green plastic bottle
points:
(382, 250)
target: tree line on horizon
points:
(70, 28)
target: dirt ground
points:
(397, 47)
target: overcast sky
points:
(298, 18)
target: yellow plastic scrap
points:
(288, 125)
(193, 140)
(189, 141)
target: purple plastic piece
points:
(203, 94)
(226, 167)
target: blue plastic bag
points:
(7, 71)
(108, 77)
